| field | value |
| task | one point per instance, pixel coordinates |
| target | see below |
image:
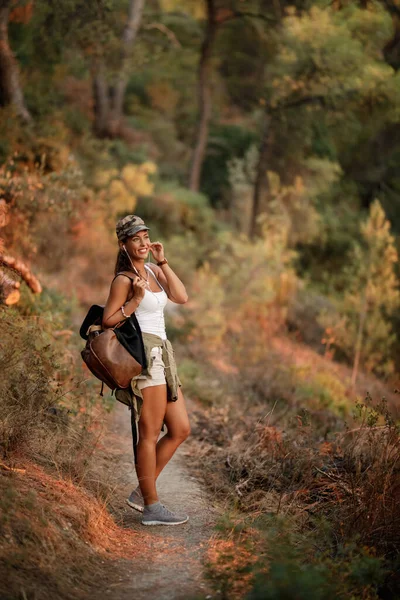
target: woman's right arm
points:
(119, 292)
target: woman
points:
(144, 289)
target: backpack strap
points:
(133, 316)
(125, 274)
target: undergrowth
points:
(54, 523)
(318, 507)
(40, 419)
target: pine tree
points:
(371, 299)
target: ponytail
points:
(122, 263)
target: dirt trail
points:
(170, 567)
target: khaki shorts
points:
(157, 371)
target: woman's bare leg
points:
(152, 456)
(150, 423)
(177, 421)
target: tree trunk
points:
(10, 88)
(261, 187)
(101, 99)
(135, 13)
(391, 50)
(109, 97)
(204, 97)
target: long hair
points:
(122, 263)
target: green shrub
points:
(175, 210)
(362, 326)
(303, 313)
(199, 384)
(226, 142)
(76, 121)
(320, 390)
(297, 568)
(42, 419)
(27, 363)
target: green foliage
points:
(226, 144)
(50, 305)
(322, 54)
(28, 388)
(96, 155)
(371, 297)
(303, 312)
(199, 383)
(268, 263)
(333, 105)
(243, 76)
(179, 211)
(43, 203)
(331, 94)
(188, 7)
(321, 390)
(243, 286)
(89, 26)
(242, 177)
(323, 261)
(121, 189)
(76, 122)
(40, 102)
(185, 252)
(317, 519)
(298, 569)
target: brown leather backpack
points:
(113, 355)
(107, 358)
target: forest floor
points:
(170, 564)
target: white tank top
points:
(150, 312)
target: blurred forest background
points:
(260, 141)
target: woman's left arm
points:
(174, 287)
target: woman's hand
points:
(138, 286)
(157, 250)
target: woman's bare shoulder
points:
(153, 267)
(158, 272)
(124, 276)
(122, 280)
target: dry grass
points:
(39, 419)
(353, 478)
(228, 557)
(339, 479)
(57, 537)
(58, 541)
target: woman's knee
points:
(181, 433)
(148, 434)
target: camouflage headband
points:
(128, 226)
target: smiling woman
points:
(154, 397)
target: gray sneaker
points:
(135, 500)
(158, 514)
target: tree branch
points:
(317, 99)
(168, 32)
(238, 14)
(9, 290)
(21, 268)
(135, 13)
